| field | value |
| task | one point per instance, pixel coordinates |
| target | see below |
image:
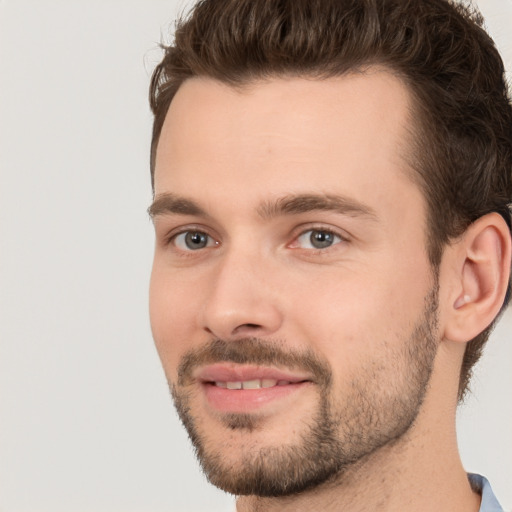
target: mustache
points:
(253, 351)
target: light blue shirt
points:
(489, 501)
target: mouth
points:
(245, 389)
(252, 384)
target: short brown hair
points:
(462, 148)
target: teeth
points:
(252, 384)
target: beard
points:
(377, 408)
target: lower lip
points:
(247, 400)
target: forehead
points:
(287, 133)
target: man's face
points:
(292, 302)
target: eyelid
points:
(171, 235)
(304, 229)
(182, 244)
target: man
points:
(331, 180)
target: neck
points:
(422, 471)
(401, 477)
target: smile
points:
(235, 388)
(252, 384)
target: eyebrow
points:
(292, 204)
(168, 203)
(304, 203)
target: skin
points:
(235, 152)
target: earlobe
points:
(483, 267)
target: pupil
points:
(196, 240)
(321, 239)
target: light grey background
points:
(86, 423)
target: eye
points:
(317, 239)
(193, 240)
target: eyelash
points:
(338, 238)
(201, 234)
(170, 239)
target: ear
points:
(481, 266)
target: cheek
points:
(170, 318)
(349, 317)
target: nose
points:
(242, 299)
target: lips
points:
(225, 372)
(236, 388)
(251, 384)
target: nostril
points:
(246, 329)
(239, 317)
(238, 330)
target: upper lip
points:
(231, 372)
